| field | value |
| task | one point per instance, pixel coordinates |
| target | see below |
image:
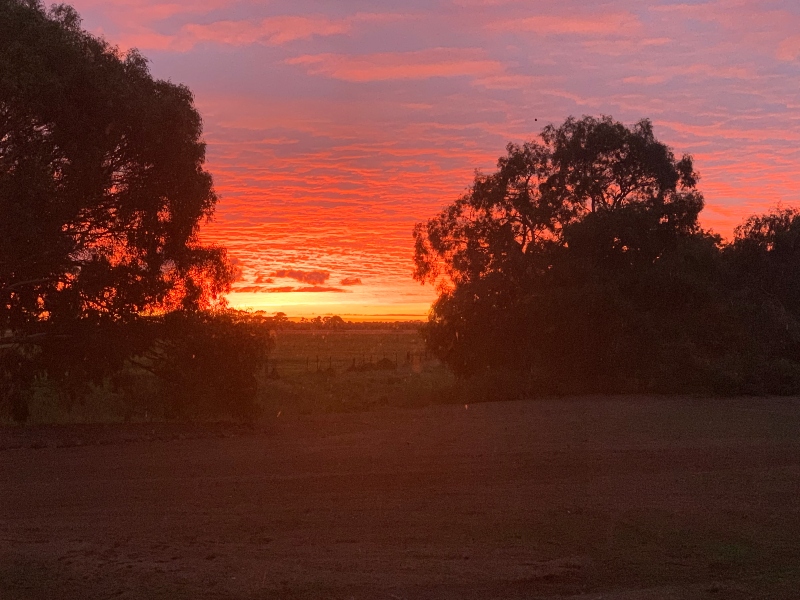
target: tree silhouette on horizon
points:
(580, 265)
(103, 188)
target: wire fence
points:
(346, 363)
(336, 352)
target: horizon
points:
(332, 129)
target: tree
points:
(762, 265)
(102, 185)
(590, 171)
(556, 264)
(102, 191)
(766, 253)
(209, 364)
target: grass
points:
(300, 352)
(342, 371)
(309, 371)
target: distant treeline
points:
(579, 266)
(333, 322)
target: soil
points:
(620, 498)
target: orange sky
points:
(333, 127)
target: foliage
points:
(102, 185)
(580, 266)
(616, 193)
(348, 376)
(281, 321)
(208, 364)
(102, 192)
(766, 252)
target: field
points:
(614, 498)
(301, 351)
(343, 371)
(308, 371)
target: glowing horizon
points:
(333, 128)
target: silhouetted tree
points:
(766, 253)
(622, 190)
(102, 190)
(209, 364)
(102, 185)
(333, 322)
(580, 264)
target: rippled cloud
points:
(311, 277)
(347, 281)
(333, 127)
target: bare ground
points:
(622, 498)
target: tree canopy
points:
(103, 188)
(102, 184)
(624, 182)
(580, 265)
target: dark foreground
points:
(634, 498)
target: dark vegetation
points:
(280, 322)
(579, 266)
(102, 190)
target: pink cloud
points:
(789, 49)
(422, 64)
(509, 81)
(619, 23)
(275, 30)
(149, 10)
(645, 80)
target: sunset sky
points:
(333, 127)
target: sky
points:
(334, 126)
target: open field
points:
(345, 371)
(621, 498)
(300, 351)
(308, 371)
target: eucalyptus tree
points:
(103, 188)
(550, 264)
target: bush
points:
(209, 365)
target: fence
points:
(279, 366)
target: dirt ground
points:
(614, 498)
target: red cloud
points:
(350, 281)
(310, 277)
(286, 289)
(249, 289)
(318, 288)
